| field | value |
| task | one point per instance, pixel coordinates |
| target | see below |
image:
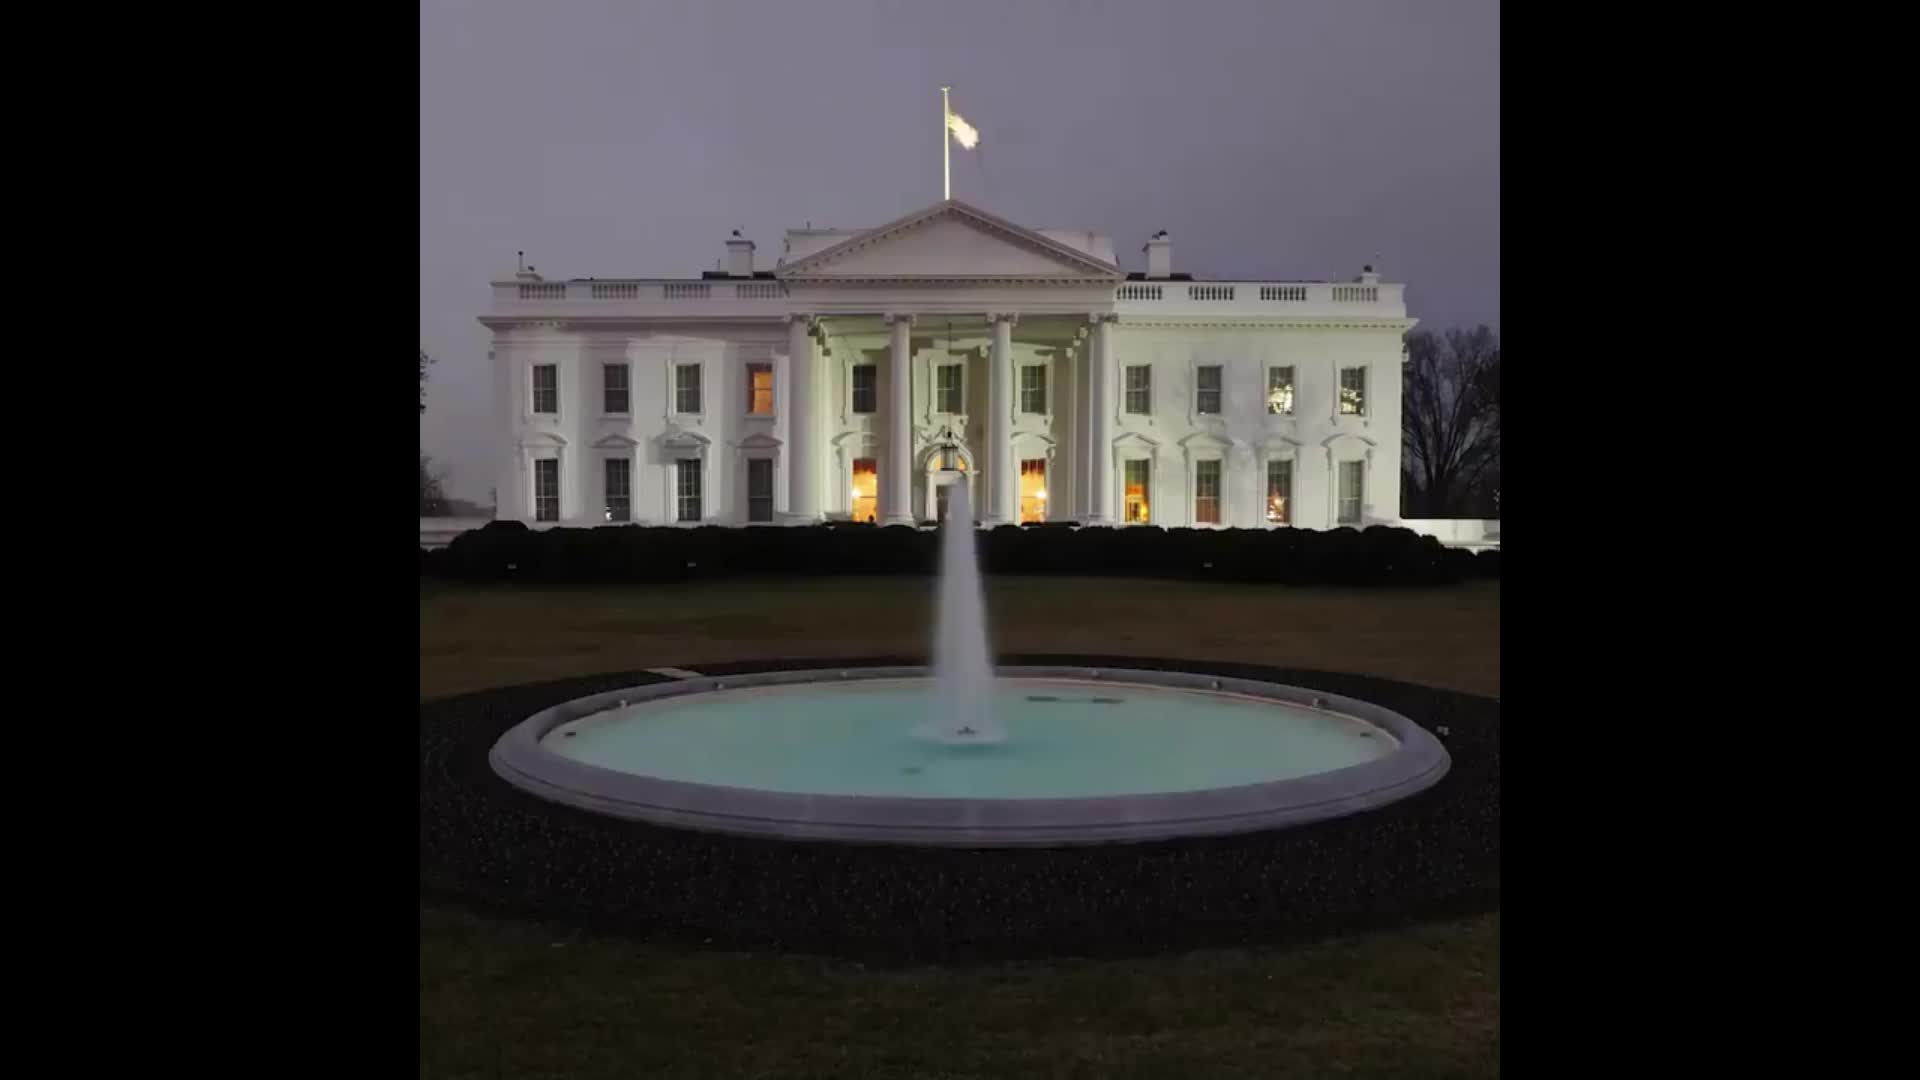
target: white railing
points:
(1254, 299)
(516, 297)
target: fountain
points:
(963, 677)
(1095, 755)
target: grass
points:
(502, 998)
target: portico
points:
(949, 320)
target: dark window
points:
(866, 391)
(949, 389)
(1207, 390)
(687, 490)
(546, 489)
(760, 489)
(1139, 389)
(686, 388)
(546, 388)
(617, 396)
(619, 489)
(1206, 492)
(1033, 388)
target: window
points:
(1033, 388)
(947, 378)
(1137, 481)
(1139, 389)
(1279, 492)
(687, 489)
(1206, 398)
(619, 506)
(1353, 475)
(760, 489)
(616, 397)
(1033, 490)
(546, 489)
(866, 488)
(686, 388)
(1279, 391)
(546, 388)
(1206, 492)
(760, 389)
(1353, 391)
(866, 387)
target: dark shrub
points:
(1377, 555)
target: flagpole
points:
(946, 147)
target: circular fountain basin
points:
(1089, 756)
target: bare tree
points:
(1450, 421)
(433, 499)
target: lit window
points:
(948, 391)
(1033, 388)
(615, 395)
(1206, 492)
(1139, 389)
(866, 387)
(1137, 482)
(546, 489)
(1353, 475)
(687, 490)
(760, 389)
(1279, 491)
(759, 489)
(1033, 490)
(866, 488)
(1207, 390)
(1353, 391)
(619, 489)
(1279, 391)
(686, 388)
(546, 388)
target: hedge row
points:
(1378, 555)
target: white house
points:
(871, 369)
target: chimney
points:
(739, 256)
(1159, 251)
(526, 273)
(1367, 276)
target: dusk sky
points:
(1276, 140)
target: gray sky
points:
(1275, 139)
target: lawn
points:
(501, 998)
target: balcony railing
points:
(514, 297)
(1251, 299)
(1254, 298)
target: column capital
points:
(1099, 317)
(799, 317)
(1008, 317)
(892, 317)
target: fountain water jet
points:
(962, 673)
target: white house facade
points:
(872, 369)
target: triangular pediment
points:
(950, 241)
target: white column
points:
(1101, 467)
(896, 480)
(1002, 470)
(803, 465)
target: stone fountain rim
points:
(1419, 762)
